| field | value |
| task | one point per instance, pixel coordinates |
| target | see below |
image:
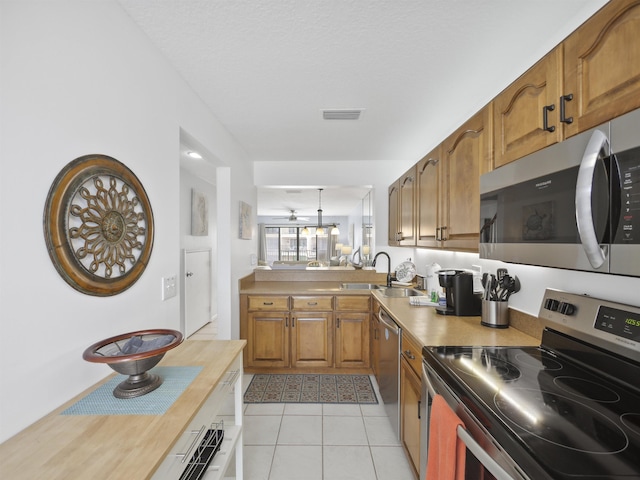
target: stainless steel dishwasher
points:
(389, 372)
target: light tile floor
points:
(321, 442)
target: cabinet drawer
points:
(353, 303)
(312, 303)
(413, 353)
(265, 302)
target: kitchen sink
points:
(401, 292)
(360, 286)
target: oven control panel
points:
(610, 325)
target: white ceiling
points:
(336, 201)
(418, 68)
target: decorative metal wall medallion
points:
(98, 225)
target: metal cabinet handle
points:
(409, 355)
(293, 322)
(312, 303)
(563, 100)
(267, 303)
(189, 274)
(443, 237)
(286, 321)
(545, 121)
(337, 322)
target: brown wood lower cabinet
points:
(410, 398)
(410, 413)
(268, 339)
(311, 344)
(352, 339)
(352, 330)
(304, 332)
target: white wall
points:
(78, 78)
(534, 280)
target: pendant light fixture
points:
(319, 229)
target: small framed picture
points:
(199, 213)
(245, 221)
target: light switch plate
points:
(169, 288)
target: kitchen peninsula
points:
(83, 446)
(274, 289)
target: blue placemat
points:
(102, 402)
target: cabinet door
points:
(467, 155)
(519, 111)
(268, 339)
(428, 199)
(352, 340)
(407, 209)
(410, 397)
(394, 203)
(311, 344)
(602, 66)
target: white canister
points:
(433, 283)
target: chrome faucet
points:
(373, 264)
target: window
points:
(291, 245)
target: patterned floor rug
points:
(310, 388)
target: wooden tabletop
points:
(116, 446)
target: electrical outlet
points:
(477, 278)
(169, 288)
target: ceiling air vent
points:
(351, 114)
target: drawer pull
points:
(267, 303)
(409, 355)
(312, 303)
(545, 119)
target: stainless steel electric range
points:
(569, 409)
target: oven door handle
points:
(597, 149)
(430, 390)
(483, 457)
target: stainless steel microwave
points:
(573, 205)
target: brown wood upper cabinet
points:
(466, 155)
(590, 78)
(402, 210)
(428, 199)
(526, 113)
(602, 66)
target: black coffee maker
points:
(458, 287)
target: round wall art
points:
(98, 225)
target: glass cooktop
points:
(547, 409)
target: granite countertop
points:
(116, 446)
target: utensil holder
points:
(495, 314)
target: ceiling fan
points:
(294, 218)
